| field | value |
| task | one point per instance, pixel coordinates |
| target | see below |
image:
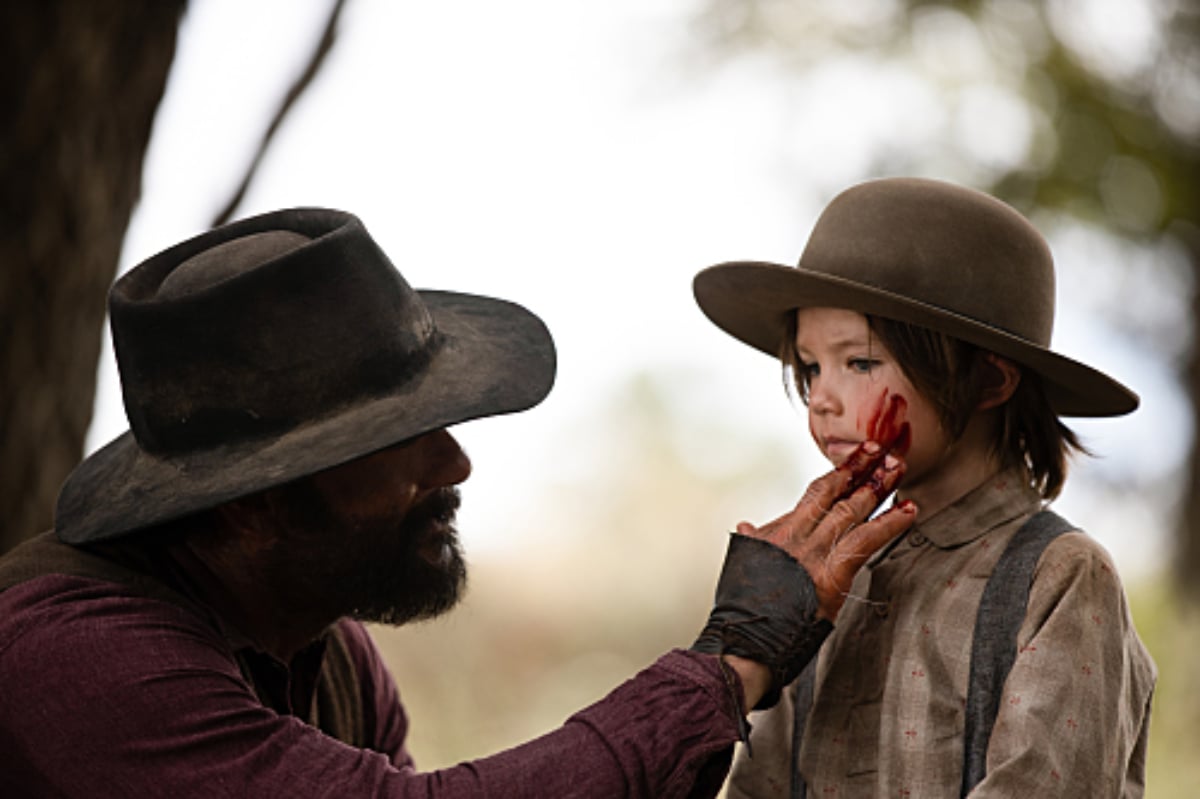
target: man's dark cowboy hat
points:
(279, 346)
(930, 253)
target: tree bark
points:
(85, 79)
(1187, 533)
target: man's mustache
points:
(440, 506)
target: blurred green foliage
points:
(1170, 629)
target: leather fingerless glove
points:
(765, 610)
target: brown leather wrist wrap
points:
(765, 610)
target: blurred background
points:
(586, 160)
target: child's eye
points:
(808, 370)
(862, 365)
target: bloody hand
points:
(783, 583)
(827, 531)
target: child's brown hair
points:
(952, 375)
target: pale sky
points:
(557, 153)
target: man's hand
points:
(783, 583)
(826, 531)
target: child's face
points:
(854, 383)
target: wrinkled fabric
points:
(109, 692)
(891, 682)
(765, 610)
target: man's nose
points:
(448, 463)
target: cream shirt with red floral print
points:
(891, 685)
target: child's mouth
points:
(838, 449)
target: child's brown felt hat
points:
(926, 252)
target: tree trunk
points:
(84, 81)
(1187, 538)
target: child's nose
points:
(822, 399)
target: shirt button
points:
(916, 540)
(881, 609)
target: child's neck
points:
(967, 463)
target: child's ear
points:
(1001, 377)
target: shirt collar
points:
(1001, 498)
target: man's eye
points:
(863, 365)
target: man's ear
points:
(1001, 378)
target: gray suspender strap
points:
(1001, 612)
(993, 650)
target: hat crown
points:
(224, 261)
(941, 245)
(926, 253)
(243, 333)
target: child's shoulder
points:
(1074, 562)
(1077, 598)
(1076, 549)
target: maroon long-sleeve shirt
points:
(110, 690)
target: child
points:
(920, 316)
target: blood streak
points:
(887, 426)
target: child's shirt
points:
(891, 682)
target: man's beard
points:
(370, 570)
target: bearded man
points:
(192, 626)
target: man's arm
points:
(113, 695)
(102, 681)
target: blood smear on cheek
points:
(868, 420)
(887, 425)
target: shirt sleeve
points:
(1075, 707)
(110, 695)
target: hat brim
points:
(751, 300)
(496, 358)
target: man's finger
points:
(854, 508)
(843, 516)
(831, 504)
(826, 489)
(840, 483)
(798, 523)
(860, 465)
(863, 540)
